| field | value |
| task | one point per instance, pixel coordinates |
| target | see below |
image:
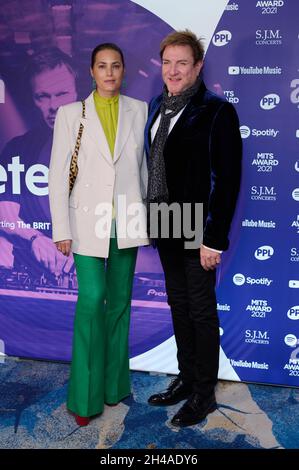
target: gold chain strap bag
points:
(74, 161)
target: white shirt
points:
(172, 123)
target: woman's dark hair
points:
(106, 45)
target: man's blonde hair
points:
(184, 38)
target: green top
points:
(107, 110)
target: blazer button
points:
(85, 208)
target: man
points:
(194, 148)
(25, 159)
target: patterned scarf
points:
(171, 105)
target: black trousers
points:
(192, 299)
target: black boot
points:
(194, 410)
(175, 392)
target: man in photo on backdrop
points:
(52, 79)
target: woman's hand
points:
(46, 253)
(64, 246)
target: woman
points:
(98, 223)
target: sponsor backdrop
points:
(251, 59)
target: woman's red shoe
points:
(82, 420)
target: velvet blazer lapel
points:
(192, 110)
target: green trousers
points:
(100, 359)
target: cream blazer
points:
(86, 216)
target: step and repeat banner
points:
(252, 51)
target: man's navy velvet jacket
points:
(202, 157)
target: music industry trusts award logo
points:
(231, 96)
(264, 162)
(295, 224)
(269, 7)
(258, 308)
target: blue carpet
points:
(33, 415)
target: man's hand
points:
(46, 253)
(209, 259)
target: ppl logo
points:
(264, 252)
(269, 101)
(293, 313)
(290, 340)
(222, 38)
